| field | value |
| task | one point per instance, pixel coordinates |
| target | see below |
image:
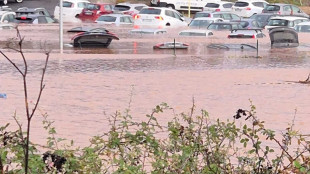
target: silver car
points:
(284, 9)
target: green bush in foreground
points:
(190, 143)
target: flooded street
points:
(85, 86)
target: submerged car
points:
(94, 37)
(285, 21)
(283, 37)
(303, 27)
(35, 19)
(149, 31)
(196, 32)
(203, 22)
(284, 9)
(222, 26)
(246, 33)
(171, 45)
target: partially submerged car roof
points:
(86, 29)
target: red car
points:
(93, 11)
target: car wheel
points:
(170, 6)
(19, 1)
(4, 2)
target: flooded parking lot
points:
(85, 86)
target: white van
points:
(194, 5)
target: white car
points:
(129, 9)
(218, 6)
(71, 8)
(155, 17)
(5, 2)
(115, 19)
(246, 34)
(284, 21)
(303, 27)
(7, 16)
(247, 8)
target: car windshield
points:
(244, 24)
(121, 8)
(200, 23)
(107, 18)
(241, 4)
(302, 28)
(213, 5)
(278, 22)
(150, 11)
(93, 7)
(272, 8)
(198, 15)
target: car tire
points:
(19, 1)
(170, 6)
(4, 2)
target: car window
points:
(258, 4)
(93, 7)
(11, 17)
(125, 19)
(176, 15)
(226, 16)
(197, 15)
(287, 8)
(228, 5)
(244, 24)
(295, 9)
(121, 8)
(49, 20)
(255, 24)
(224, 27)
(107, 7)
(200, 23)
(107, 18)
(139, 8)
(217, 16)
(272, 8)
(235, 17)
(67, 4)
(212, 5)
(213, 27)
(241, 4)
(302, 28)
(150, 11)
(169, 13)
(6, 18)
(82, 4)
(42, 20)
(278, 22)
(235, 26)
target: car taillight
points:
(279, 13)
(136, 26)
(23, 18)
(228, 36)
(253, 36)
(248, 8)
(159, 18)
(159, 45)
(217, 9)
(185, 44)
(137, 17)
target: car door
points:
(296, 11)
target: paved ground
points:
(48, 4)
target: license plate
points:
(237, 9)
(147, 20)
(88, 13)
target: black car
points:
(93, 37)
(35, 19)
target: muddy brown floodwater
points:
(85, 86)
